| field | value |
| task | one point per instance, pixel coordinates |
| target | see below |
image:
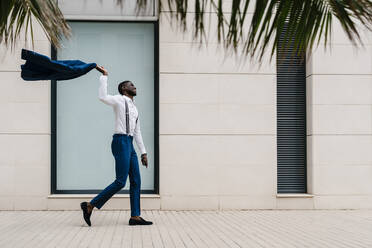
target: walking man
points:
(127, 127)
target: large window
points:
(82, 126)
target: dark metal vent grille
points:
(291, 120)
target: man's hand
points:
(144, 159)
(102, 70)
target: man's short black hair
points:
(122, 84)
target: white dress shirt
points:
(118, 103)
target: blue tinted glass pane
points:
(85, 125)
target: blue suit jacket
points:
(41, 67)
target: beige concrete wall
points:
(339, 110)
(217, 125)
(24, 131)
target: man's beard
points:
(131, 93)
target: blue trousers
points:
(126, 163)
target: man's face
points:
(130, 89)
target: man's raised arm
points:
(102, 91)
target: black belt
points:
(122, 134)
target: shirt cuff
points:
(143, 151)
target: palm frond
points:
(18, 14)
(306, 22)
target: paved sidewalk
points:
(254, 228)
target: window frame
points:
(53, 139)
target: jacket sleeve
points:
(138, 138)
(102, 92)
